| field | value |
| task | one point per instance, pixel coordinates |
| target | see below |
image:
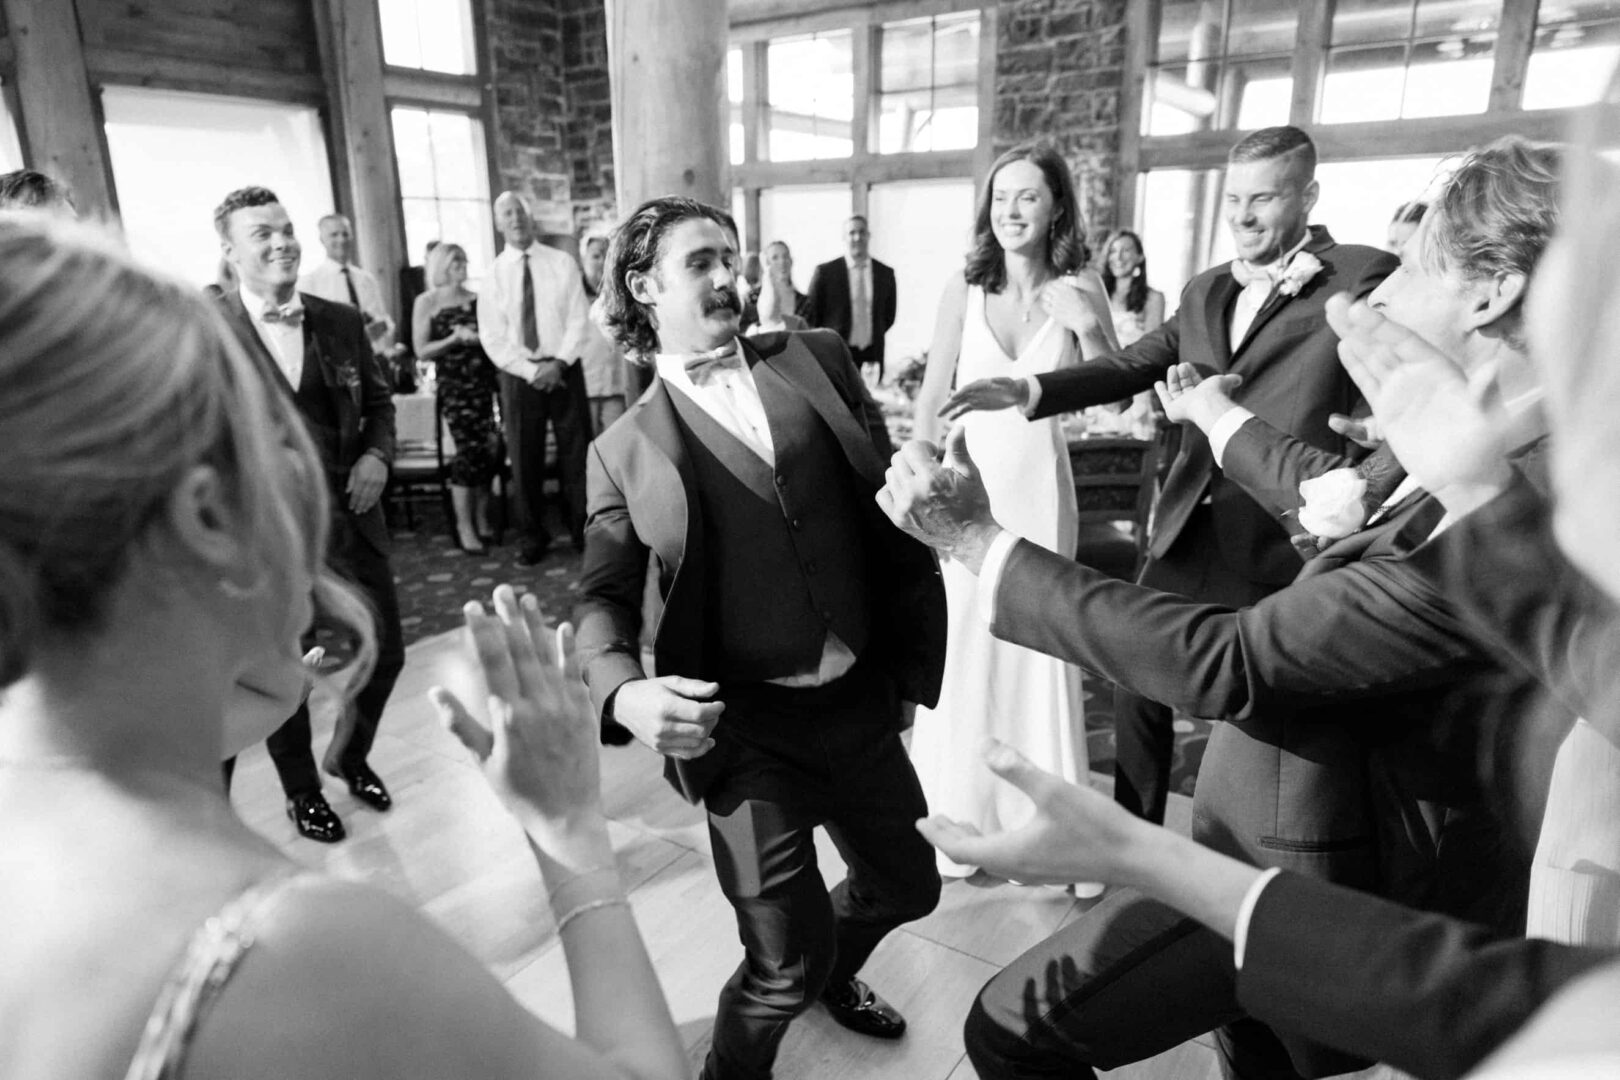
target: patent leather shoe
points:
(314, 818)
(365, 785)
(854, 1005)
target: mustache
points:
(723, 300)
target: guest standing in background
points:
(1137, 307)
(775, 304)
(603, 361)
(779, 257)
(1404, 223)
(28, 189)
(1026, 304)
(854, 297)
(444, 329)
(339, 280)
(534, 321)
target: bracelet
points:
(592, 905)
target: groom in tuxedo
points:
(1260, 317)
(797, 627)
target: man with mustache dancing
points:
(796, 624)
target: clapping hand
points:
(1063, 300)
(1077, 834)
(944, 505)
(1189, 398)
(986, 395)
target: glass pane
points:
(739, 214)
(1176, 211)
(1359, 197)
(810, 220)
(904, 121)
(923, 229)
(1262, 26)
(459, 167)
(956, 49)
(1363, 84)
(433, 34)
(1262, 91)
(402, 45)
(734, 136)
(422, 225)
(1449, 77)
(811, 94)
(734, 76)
(413, 153)
(1463, 18)
(1190, 30)
(1364, 22)
(1176, 107)
(226, 143)
(11, 157)
(1571, 64)
(467, 222)
(907, 55)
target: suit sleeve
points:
(1270, 464)
(815, 300)
(376, 395)
(1429, 994)
(891, 302)
(607, 618)
(833, 355)
(1290, 649)
(1114, 377)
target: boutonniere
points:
(1301, 268)
(1334, 508)
(349, 375)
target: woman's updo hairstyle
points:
(114, 382)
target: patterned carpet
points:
(435, 580)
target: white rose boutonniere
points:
(1301, 268)
(1333, 508)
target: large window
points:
(1577, 46)
(923, 229)
(810, 101)
(176, 155)
(809, 218)
(928, 84)
(444, 183)
(434, 35)
(1394, 59)
(1221, 64)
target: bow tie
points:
(291, 313)
(1248, 273)
(699, 366)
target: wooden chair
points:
(1114, 482)
(422, 446)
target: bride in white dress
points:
(1024, 305)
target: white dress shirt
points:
(860, 303)
(327, 282)
(1252, 297)
(284, 340)
(562, 315)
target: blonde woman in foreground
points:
(162, 516)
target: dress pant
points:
(525, 413)
(353, 557)
(1144, 740)
(795, 760)
(1129, 979)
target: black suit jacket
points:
(335, 340)
(827, 303)
(1291, 378)
(642, 499)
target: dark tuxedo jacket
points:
(642, 499)
(335, 341)
(1291, 378)
(827, 303)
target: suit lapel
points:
(799, 368)
(248, 334)
(667, 487)
(1319, 242)
(1218, 318)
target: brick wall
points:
(1060, 67)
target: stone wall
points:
(1060, 69)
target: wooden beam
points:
(754, 20)
(1310, 59)
(129, 68)
(432, 88)
(755, 94)
(350, 34)
(863, 61)
(985, 155)
(1515, 37)
(61, 130)
(873, 169)
(1141, 45)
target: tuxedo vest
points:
(783, 558)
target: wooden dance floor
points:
(448, 847)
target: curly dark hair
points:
(240, 199)
(635, 247)
(1066, 250)
(28, 189)
(1136, 296)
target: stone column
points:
(668, 63)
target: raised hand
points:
(1189, 398)
(1077, 834)
(943, 505)
(986, 395)
(670, 714)
(1064, 301)
(1363, 431)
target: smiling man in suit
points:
(796, 625)
(1261, 317)
(854, 297)
(321, 354)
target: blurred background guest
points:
(338, 279)
(603, 360)
(774, 305)
(1404, 223)
(27, 189)
(855, 297)
(1137, 307)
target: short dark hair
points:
(240, 199)
(27, 189)
(1409, 213)
(1136, 296)
(860, 218)
(635, 248)
(1270, 143)
(1066, 250)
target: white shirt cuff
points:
(1034, 385)
(1240, 935)
(995, 560)
(1226, 426)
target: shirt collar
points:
(853, 265)
(255, 304)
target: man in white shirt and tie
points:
(855, 297)
(339, 280)
(534, 322)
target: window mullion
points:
(1514, 40)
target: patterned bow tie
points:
(1248, 273)
(291, 313)
(699, 366)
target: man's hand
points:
(672, 715)
(1077, 834)
(366, 482)
(548, 376)
(944, 506)
(1189, 398)
(1363, 432)
(986, 395)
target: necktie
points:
(860, 327)
(354, 297)
(699, 366)
(531, 330)
(291, 313)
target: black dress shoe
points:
(855, 1006)
(530, 554)
(365, 785)
(616, 734)
(314, 818)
